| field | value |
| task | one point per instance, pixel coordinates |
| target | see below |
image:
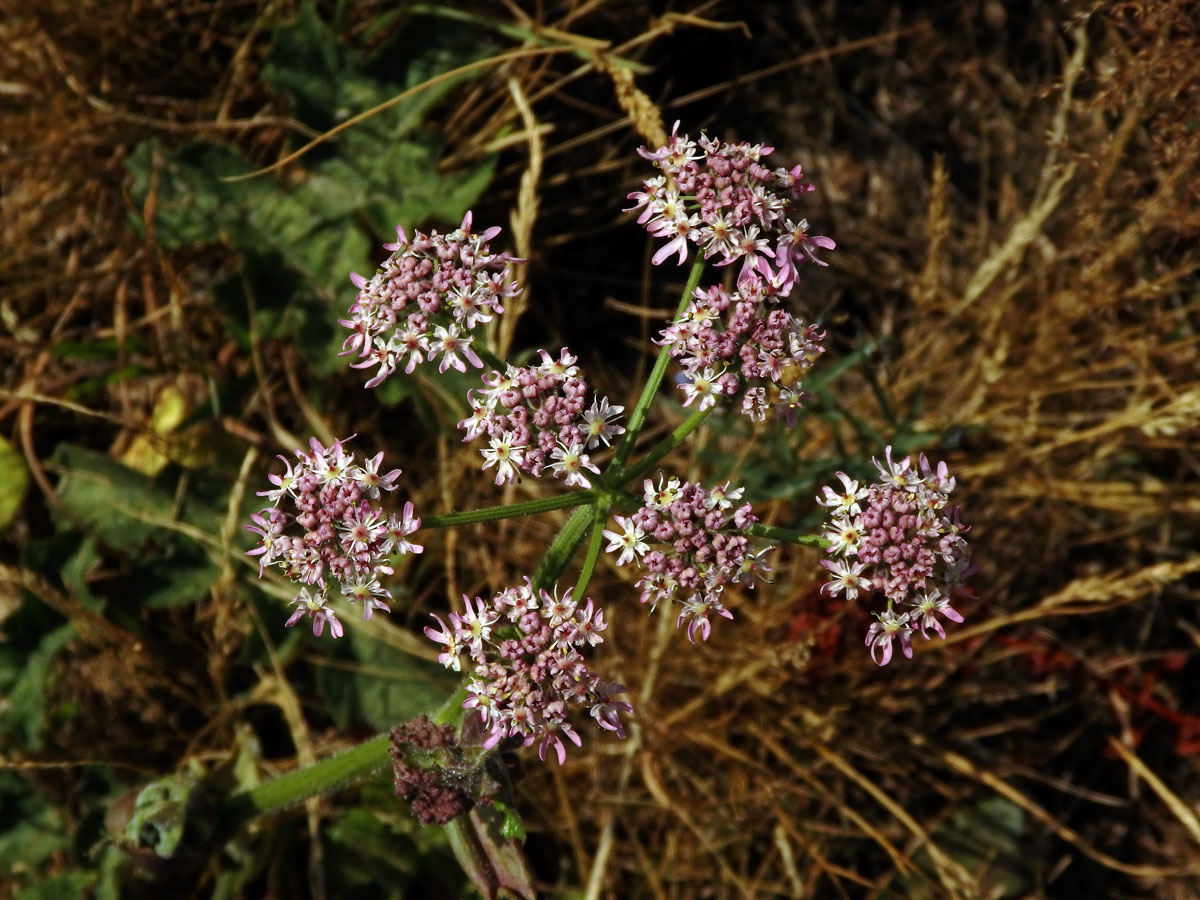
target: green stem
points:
(452, 711)
(563, 548)
(638, 417)
(329, 774)
(593, 551)
(336, 771)
(495, 513)
(785, 535)
(673, 440)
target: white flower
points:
(703, 386)
(368, 476)
(900, 473)
(478, 422)
(285, 484)
(881, 633)
(411, 342)
(316, 606)
(753, 565)
(628, 541)
(497, 384)
(844, 576)
(398, 529)
(572, 461)
(722, 497)
(599, 427)
(450, 342)
(664, 495)
(448, 638)
(847, 501)
(754, 404)
(504, 456)
(933, 602)
(564, 367)
(475, 625)
(464, 305)
(845, 536)
(360, 528)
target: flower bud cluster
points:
(697, 554)
(745, 341)
(722, 198)
(429, 771)
(898, 537)
(527, 668)
(425, 301)
(534, 418)
(344, 538)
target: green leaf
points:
(14, 482)
(75, 570)
(124, 510)
(24, 714)
(381, 851)
(172, 816)
(382, 171)
(65, 886)
(512, 826)
(175, 580)
(380, 685)
(313, 235)
(32, 831)
(120, 506)
(193, 205)
(308, 62)
(495, 863)
(98, 348)
(368, 833)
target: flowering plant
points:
(523, 652)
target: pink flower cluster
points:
(534, 418)
(345, 538)
(723, 199)
(745, 341)
(900, 538)
(699, 554)
(425, 301)
(528, 671)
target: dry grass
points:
(1015, 203)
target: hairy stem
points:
(294, 787)
(563, 548)
(638, 417)
(593, 551)
(511, 511)
(673, 440)
(329, 774)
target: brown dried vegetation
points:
(1014, 194)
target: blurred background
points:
(1013, 189)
